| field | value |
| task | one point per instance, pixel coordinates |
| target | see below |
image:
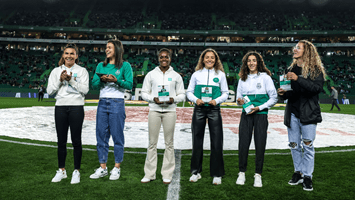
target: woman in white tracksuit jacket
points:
(255, 82)
(208, 88)
(162, 79)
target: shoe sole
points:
(240, 183)
(59, 180)
(148, 181)
(305, 189)
(98, 177)
(113, 179)
(74, 182)
(166, 183)
(259, 186)
(299, 182)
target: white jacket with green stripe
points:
(208, 78)
(260, 89)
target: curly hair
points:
(72, 46)
(244, 70)
(217, 65)
(312, 64)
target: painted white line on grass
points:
(174, 186)
(53, 146)
(188, 154)
(289, 153)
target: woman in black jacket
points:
(302, 112)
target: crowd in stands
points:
(31, 69)
(187, 15)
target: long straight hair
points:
(118, 47)
(69, 45)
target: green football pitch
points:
(27, 167)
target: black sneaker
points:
(296, 179)
(307, 184)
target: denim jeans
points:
(298, 135)
(110, 119)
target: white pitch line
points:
(174, 186)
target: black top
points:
(295, 101)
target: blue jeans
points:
(110, 119)
(298, 135)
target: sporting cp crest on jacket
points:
(258, 85)
(117, 72)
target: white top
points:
(155, 78)
(200, 78)
(259, 83)
(69, 93)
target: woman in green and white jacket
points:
(255, 82)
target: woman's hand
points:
(199, 102)
(292, 76)
(212, 102)
(281, 91)
(240, 101)
(253, 110)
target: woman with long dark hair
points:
(256, 86)
(207, 89)
(112, 77)
(302, 111)
(71, 82)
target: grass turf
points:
(27, 174)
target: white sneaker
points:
(59, 175)
(76, 177)
(115, 173)
(195, 177)
(166, 181)
(217, 180)
(241, 178)
(257, 181)
(99, 172)
(145, 180)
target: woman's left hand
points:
(292, 76)
(253, 110)
(111, 78)
(212, 102)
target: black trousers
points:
(335, 103)
(40, 96)
(259, 123)
(65, 117)
(213, 114)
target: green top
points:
(124, 75)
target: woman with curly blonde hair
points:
(207, 89)
(255, 84)
(302, 111)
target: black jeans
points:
(65, 117)
(248, 123)
(335, 103)
(213, 114)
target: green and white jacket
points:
(208, 78)
(260, 89)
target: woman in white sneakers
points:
(256, 85)
(71, 82)
(207, 89)
(112, 77)
(163, 88)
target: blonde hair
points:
(73, 46)
(217, 65)
(312, 64)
